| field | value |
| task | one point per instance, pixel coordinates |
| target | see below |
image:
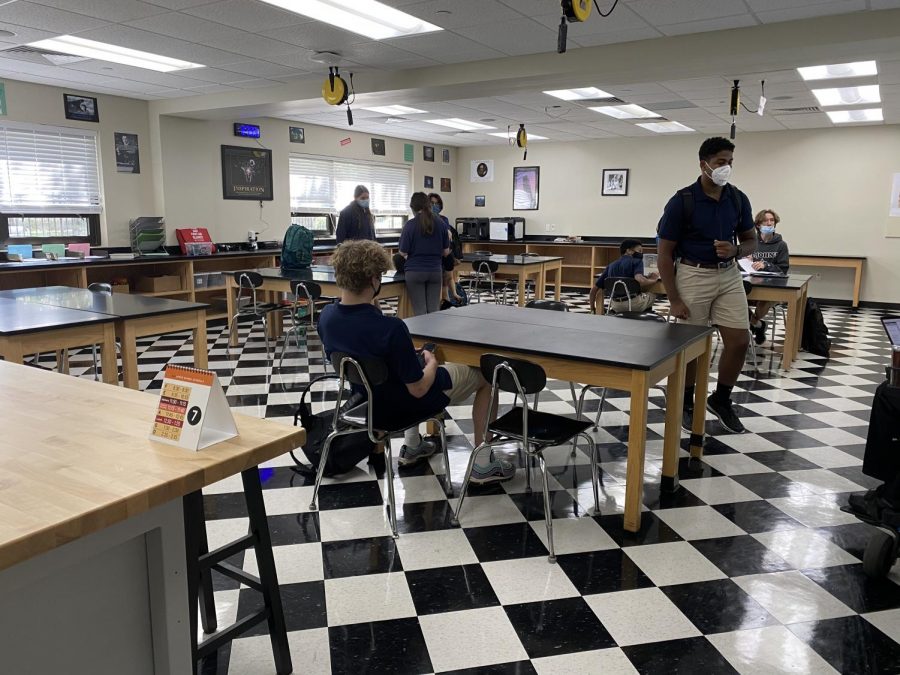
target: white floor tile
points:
(287, 500)
(487, 635)
(410, 489)
(822, 481)
(528, 580)
(719, 490)
(226, 530)
(735, 464)
(438, 548)
(294, 563)
(813, 510)
(699, 522)
(838, 436)
(640, 616)
(574, 535)
(370, 597)
(769, 651)
(828, 457)
(595, 662)
(803, 548)
(365, 521)
(673, 563)
(488, 510)
(310, 653)
(888, 622)
(792, 597)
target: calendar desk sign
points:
(193, 412)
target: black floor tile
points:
(450, 589)
(757, 516)
(851, 645)
(424, 516)
(294, 528)
(352, 557)
(852, 537)
(504, 542)
(687, 656)
(690, 467)
(855, 474)
(224, 505)
(719, 606)
(652, 530)
(556, 627)
(379, 648)
(603, 572)
(349, 495)
(783, 460)
(737, 556)
(655, 498)
(514, 668)
(850, 585)
(770, 485)
(304, 606)
(531, 504)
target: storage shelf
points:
(159, 294)
(578, 267)
(212, 316)
(212, 289)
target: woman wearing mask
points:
(771, 255)
(424, 242)
(356, 220)
(448, 289)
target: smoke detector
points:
(326, 57)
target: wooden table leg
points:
(201, 349)
(230, 305)
(672, 435)
(403, 307)
(128, 340)
(108, 356)
(701, 385)
(11, 349)
(522, 278)
(540, 283)
(637, 437)
(790, 332)
(857, 281)
(557, 281)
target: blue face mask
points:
(436, 208)
(767, 229)
(637, 255)
(363, 203)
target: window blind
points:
(318, 184)
(47, 169)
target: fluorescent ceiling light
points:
(664, 127)
(625, 112)
(69, 44)
(511, 136)
(463, 125)
(395, 110)
(838, 70)
(864, 115)
(366, 17)
(848, 95)
(579, 94)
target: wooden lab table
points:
(601, 351)
(278, 283)
(524, 266)
(27, 328)
(852, 262)
(93, 561)
(135, 316)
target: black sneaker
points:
(759, 332)
(687, 419)
(724, 410)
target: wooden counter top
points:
(75, 457)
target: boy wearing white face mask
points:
(705, 228)
(771, 255)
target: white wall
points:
(831, 188)
(125, 195)
(192, 174)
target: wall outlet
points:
(553, 227)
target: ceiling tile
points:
(680, 11)
(160, 44)
(190, 28)
(622, 19)
(381, 55)
(627, 35)
(696, 85)
(445, 47)
(249, 16)
(47, 18)
(462, 12)
(810, 11)
(239, 70)
(515, 37)
(116, 11)
(707, 25)
(316, 35)
(804, 121)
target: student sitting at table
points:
(413, 390)
(631, 266)
(771, 255)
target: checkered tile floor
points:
(750, 567)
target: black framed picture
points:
(428, 153)
(615, 183)
(297, 134)
(378, 146)
(128, 158)
(479, 200)
(445, 185)
(445, 155)
(526, 188)
(83, 108)
(246, 173)
(429, 182)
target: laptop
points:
(892, 328)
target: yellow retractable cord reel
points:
(336, 91)
(574, 11)
(522, 140)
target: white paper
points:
(746, 266)
(895, 197)
(762, 106)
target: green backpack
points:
(296, 252)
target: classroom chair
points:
(535, 430)
(101, 289)
(302, 312)
(484, 280)
(250, 307)
(370, 373)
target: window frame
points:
(93, 237)
(318, 234)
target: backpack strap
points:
(687, 210)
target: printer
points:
(473, 229)
(507, 229)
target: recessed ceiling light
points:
(365, 17)
(579, 94)
(664, 127)
(848, 95)
(625, 112)
(69, 44)
(395, 110)
(838, 70)
(463, 125)
(511, 136)
(864, 115)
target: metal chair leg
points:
(548, 513)
(454, 519)
(96, 367)
(600, 409)
(323, 459)
(595, 472)
(389, 477)
(448, 484)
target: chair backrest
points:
(530, 378)
(306, 290)
(552, 305)
(488, 267)
(620, 288)
(100, 287)
(248, 279)
(365, 372)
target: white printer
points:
(507, 229)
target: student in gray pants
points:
(424, 242)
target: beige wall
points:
(192, 177)
(831, 188)
(125, 195)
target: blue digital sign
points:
(246, 130)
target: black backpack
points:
(815, 332)
(455, 243)
(346, 451)
(687, 211)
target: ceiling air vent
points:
(804, 110)
(42, 56)
(601, 101)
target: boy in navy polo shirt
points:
(705, 228)
(631, 266)
(413, 391)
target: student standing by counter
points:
(424, 242)
(356, 220)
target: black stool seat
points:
(543, 428)
(357, 416)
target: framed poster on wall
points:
(526, 188)
(246, 173)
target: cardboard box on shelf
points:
(158, 284)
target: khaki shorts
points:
(466, 381)
(639, 303)
(713, 296)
